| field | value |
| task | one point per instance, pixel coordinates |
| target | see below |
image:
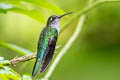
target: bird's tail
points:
(36, 66)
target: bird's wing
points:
(48, 53)
(38, 59)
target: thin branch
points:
(26, 57)
(18, 60)
(23, 58)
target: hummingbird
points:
(46, 43)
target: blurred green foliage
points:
(15, 48)
(7, 73)
(93, 56)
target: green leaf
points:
(32, 12)
(39, 3)
(4, 62)
(52, 7)
(45, 4)
(7, 73)
(32, 8)
(26, 77)
(15, 48)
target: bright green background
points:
(95, 55)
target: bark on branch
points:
(22, 58)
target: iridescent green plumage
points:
(47, 43)
(46, 46)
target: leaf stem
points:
(85, 10)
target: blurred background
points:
(95, 55)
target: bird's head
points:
(54, 19)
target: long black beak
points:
(65, 14)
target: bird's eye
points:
(51, 19)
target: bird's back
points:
(47, 34)
(45, 50)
